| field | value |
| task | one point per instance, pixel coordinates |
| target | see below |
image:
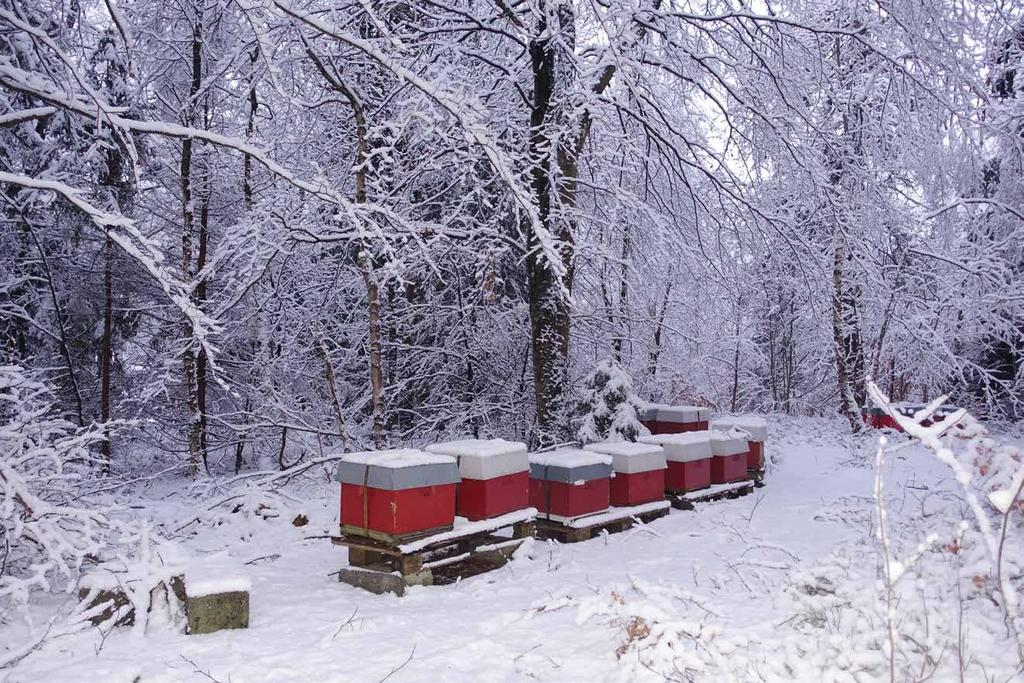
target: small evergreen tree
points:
(607, 411)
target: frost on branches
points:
(607, 411)
(48, 538)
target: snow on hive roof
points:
(570, 457)
(480, 448)
(625, 448)
(742, 420)
(730, 442)
(757, 427)
(397, 458)
(684, 438)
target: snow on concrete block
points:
(384, 582)
(215, 601)
(217, 612)
(203, 585)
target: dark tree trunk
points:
(549, 291)
(106, 349)
(194, 423)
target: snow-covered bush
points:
(46, 537)
(607, 410)
(49, 537)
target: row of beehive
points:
(880, 419)
(402, 492)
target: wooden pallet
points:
(588, 526)
(391, 539)
(688, 500)
(437, 559)
(757, 476)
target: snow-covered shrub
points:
(49, 537)
(607, 410)
(43, 459)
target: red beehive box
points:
(569, 482)
(876, 418)
(728, 456)
(495, 476)
(688, 457)
(756, 430)
(397, 492)
(639, 471)
(666, 419)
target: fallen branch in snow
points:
(400, 666)
(347, 622)
(196, 669)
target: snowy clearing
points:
(777, 585)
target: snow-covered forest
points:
(242, 237)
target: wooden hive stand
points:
(690, 499)
(612, 521)
(389, 564)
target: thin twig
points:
(400, 666)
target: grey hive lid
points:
(395, 470)
(569, 465)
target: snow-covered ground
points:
(778, 585)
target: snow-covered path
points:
(548, 616)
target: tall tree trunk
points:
(106, 350)
(62, 338)
(620, 330)
(551, 134)
(847, 399)
(250, 127)
(659, 326)
(843, 155)
(200, 297)
(376, 372)
(194, 424)
(549, 293)
(736, 365)
(364, 260)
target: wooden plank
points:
(524, 530)
(410, 564)
(380, 566)
(687, 501)
(390, 539)
(364, 544)
(577, 530)
(362, 557)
